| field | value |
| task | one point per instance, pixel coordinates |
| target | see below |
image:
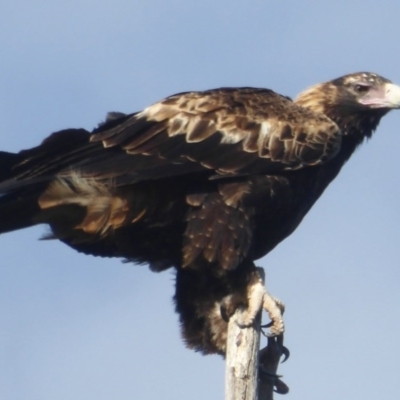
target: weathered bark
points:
(241, 373)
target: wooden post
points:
(243, 358)
(241, 372)
(242, 348)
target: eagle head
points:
(356, 102)
(366, 90)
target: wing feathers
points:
(225, 132)
(228, 130)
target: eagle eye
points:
(361, 88)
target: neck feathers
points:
(354, 121)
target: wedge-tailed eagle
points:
(203, 182)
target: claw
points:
(276, 343)
(268, 363)
(268, 374)
(281, 387)
(285, 353)
(267, 325)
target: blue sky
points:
(79, 327)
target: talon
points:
(269, 358)
(268, 325)
(285, 353)
(281, 387)
(276, 342)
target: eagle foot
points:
(269, 359)
(259, 298)
(275, 309)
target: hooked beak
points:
(385, 96)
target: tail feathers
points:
(7, 161)
(9, 182)
(24, 177)
(17, 212)
(17, 207)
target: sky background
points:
(79, 327)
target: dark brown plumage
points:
(206, 182)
